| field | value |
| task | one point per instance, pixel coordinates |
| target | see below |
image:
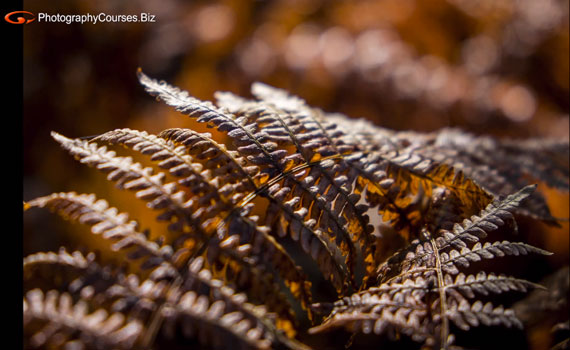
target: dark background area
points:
(498, 68)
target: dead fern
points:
(392, 220)
(421, 289)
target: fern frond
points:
(166, 154)
(544, 160)
(212, 325)
(464, 257)
(210, 207)
(107, 221)
(116, 226)
(418, 294)
(279, 98)
(484, 284)
(199, 283)
(491, 162)
(75, 259)
(466, 315)
(380, 310)
(103, 285)
(258, 149)
(62, 322)
(226, 166)
(392, 220)
(130, 175)
(475, 228)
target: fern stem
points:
(444, 331)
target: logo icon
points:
(20, 19)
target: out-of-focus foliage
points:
(493, 67)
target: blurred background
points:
(487, 66)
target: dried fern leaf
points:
(259, 150)
(397, 217)
(467, 315)
(484, 284)
(226, 166)
(207, 190)
(465, 256)
(210, 325)
(107, 221)
(199, 283)
(378, 310)
(501, 166)
(116, 226)
(61, 322)
(487, 220)
(166, 197)
(421, 288)
(218, 326)
(75, 259)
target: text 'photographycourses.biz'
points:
(89, 18)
